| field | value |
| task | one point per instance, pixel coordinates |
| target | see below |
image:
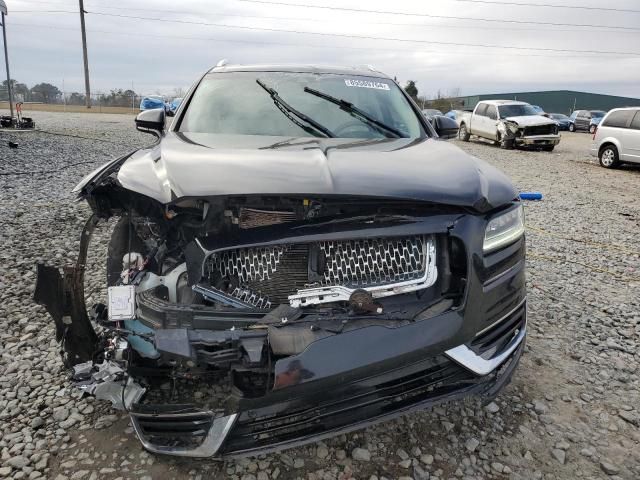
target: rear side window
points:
(635, 123)
(618, 119)
(482, 110)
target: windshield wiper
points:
(355, 112)
(288, 110)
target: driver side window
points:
(491, 112)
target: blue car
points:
(173, 106)
(561, 119)
(151, 102)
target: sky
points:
(408, 39)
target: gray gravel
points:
(572, 411)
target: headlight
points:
(504, 229)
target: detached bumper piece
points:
(180, 430)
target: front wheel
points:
(506, 143)
(463, 134)
(572, 127)
(609, 157)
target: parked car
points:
(451, 114)
(617, 139)
(173, 106)
(561, 119)
(152, 101)
(585, 120)
(431, 112)
(301, 240)
(510, 124)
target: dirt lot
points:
(572, 411)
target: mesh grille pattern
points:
(373, 261)
(262, 276)
(249, 264)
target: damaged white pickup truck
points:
(509, 124)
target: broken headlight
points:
(504, 229)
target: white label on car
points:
(122, 304)
(366, 84)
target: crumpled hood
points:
(530, 120)
(203, 165)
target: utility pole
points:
(87, 88)
(3, 11)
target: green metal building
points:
(559, 101)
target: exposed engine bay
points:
(223, 288)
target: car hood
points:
(203, 165)
(531, 120)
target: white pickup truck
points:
(509, 123)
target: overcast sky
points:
(157, 56)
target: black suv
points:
(300, 245)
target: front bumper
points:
(538, 140)
(341, 400)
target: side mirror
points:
(151, 121)
(445, 127)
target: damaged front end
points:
(238, 324)
(512, 133)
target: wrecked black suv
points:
(301, 246)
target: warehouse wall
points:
(560, 101)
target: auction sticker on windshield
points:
(366, 84)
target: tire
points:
(572, 127)
(463, 134)
(506, 143)
(609, 157)
(592, 129)
(118, 247)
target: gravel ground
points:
(572, 410)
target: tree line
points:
(48, 93)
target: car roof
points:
(366, 71)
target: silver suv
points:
(617, 139)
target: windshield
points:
(234, 103)
(559, 116)
(597, 113)
(431, 111)
(516, 110)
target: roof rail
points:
(222, 63)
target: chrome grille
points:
(268, 275)
(249, 264)
(373, 261)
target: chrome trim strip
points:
(478, 365)
(503, 318)
(208, 448)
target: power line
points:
(367, 37)
(41, 11)
(550, 5)
(297, 44)
(603, 28)
(428, 15)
